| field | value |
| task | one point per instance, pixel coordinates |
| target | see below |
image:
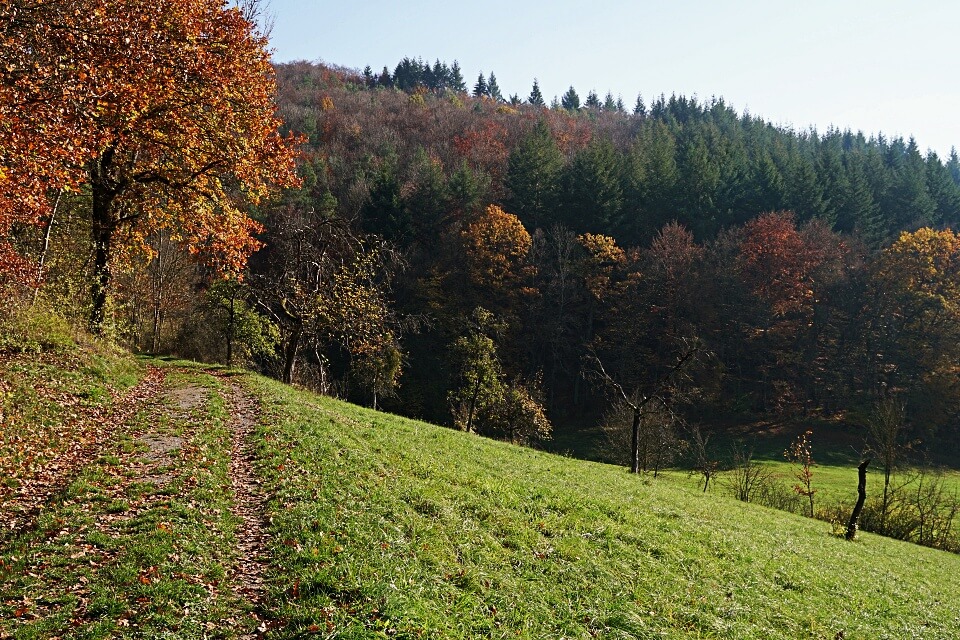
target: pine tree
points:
(480, 89)
(944, 191)
(953, 166)
(609, 104)
(622, 108)
(593, 102)
(533, 175)
(592, 193)
(441, 76)
(639, 109)
(385, 80)
(570, 100)
(368, 78)
(493, 89)
(536, 98)
(457, 82)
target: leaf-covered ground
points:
(147, 537)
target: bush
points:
(34, 329)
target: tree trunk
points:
(101, 233)
(290, 353)
(46, 247)
(473, 405)
(861, 497)
(635, 442)
(231, 324)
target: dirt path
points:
(249, 507)
(22, 507)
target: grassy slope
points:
(386, 526)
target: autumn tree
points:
(911, 320)
(495, 246)
(135, 92)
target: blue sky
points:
(872, 66)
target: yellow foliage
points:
(496, 246)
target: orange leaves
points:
(496, 248)
(778, 261)
(174, 99)
(605, 258)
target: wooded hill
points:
(622, 238)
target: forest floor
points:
(170, 499)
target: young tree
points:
(886, 427)
(638, 400)
(478, 372)
(801, 453)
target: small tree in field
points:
(886, 427)
(801, 452)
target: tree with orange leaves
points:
(163, 109)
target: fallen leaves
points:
(53, 452)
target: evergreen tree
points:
(768, 187)
(441, 76)
(639, 109)
(457, 82)
(622, 108)
(699, 179)
(515, 100)
(650, 179)
(593, 102)
(493, 89)
(385, 80)
(609, 104)
(468, 191)
(480, 89)
(944, 192)
(953, 166)
(536, 98)
(592, 196)
(533, 175)
(570, 100)
(368, 78)
(804, 191)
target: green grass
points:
(386, 527)
(383, 527)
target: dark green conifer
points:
(480, 89)
(570, 100)
(457, 82)
(639, 109)
(493, 89)
(536, 98)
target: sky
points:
(880, 66)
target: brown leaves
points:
(51, 453)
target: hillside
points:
(227, 504)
